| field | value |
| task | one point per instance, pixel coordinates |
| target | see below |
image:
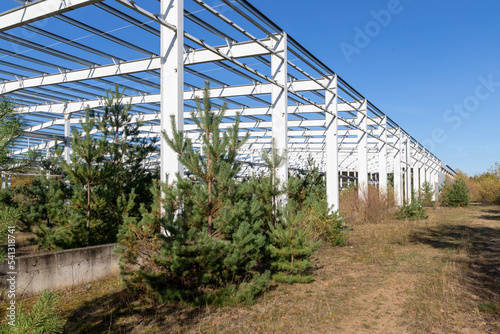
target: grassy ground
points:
(441, 275)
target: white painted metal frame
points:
(284, 94)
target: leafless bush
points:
(368, 206)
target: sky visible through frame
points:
(432, 66)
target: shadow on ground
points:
(483, 248)
(118, 312)
(493, 211)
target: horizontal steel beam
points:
(96, 72)
(193, 57)
(38, 10)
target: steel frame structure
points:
(58, 57)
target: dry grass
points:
(440, 275)
(23, 244)
(463, 275)
(474, 189)
(19, 180)
(367, 206)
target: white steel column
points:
(407, 170)
(382, 157)
(332, 149)
(428, 171)
(398, 186)
(416, 183)
(280, 103)
(422, 175)
(362, 121)
(435, 180)
(67, 136)
(172, 82)
(47, 155)
(4, 179)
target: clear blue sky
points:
(419, 67)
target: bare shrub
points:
(371, 206)
(489, 190)
(474, 189)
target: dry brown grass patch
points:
(368, 206)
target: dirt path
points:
(447, 279)
(380, 309)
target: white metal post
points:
(416, 183)
(47, 155)
(332, 149)
(382, 157)
(428, 172)
(407, 170)
(398, 186)
(428, 176)
(172, 82)
(435, 180)
(3, 180)
(362, 121)
(422, 175)
(280, 102)
(67, 134)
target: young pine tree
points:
(108, 175)
(48, 196)
(219, 166)
(11, 127)
(306, 186)
(458, 193)
(42, 318)
(290, 244)
(87, 170)
(307, 196)
(290, 249)
(426, 193)
(43, 204)
(214, 249)
(127, 153)
(275, 190)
